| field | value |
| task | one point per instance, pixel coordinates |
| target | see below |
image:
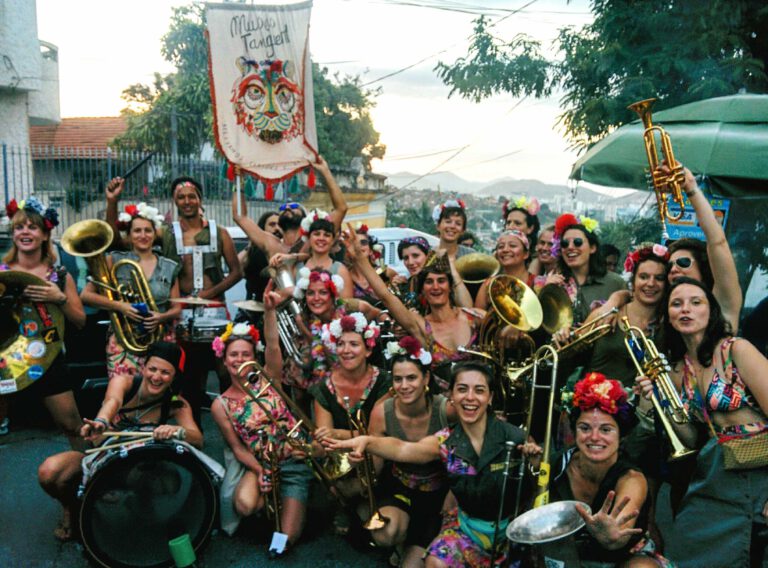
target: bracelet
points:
(534, 472)
(102, 421)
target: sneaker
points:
(4, 426)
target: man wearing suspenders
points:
(198, 245)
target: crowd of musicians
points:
(412, 399)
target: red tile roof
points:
(81, 132)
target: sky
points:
(107, 45)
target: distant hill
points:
(508, 187)
(445, 181)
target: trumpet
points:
(662, 184)
(582, 337)
(334, 466)
(367, 477)
(287, 311)
(666, 401)
(89, 239)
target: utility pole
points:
(174, 142)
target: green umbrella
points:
(724, 139)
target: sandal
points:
(63, 531)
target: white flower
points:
(241, 329)
(304, 272)
(335, 328)
(260, 346)
(436, 212)
(425, 357)
(393, 348)
(338, 281)
(124, 217)
(360, 322)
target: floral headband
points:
(354, 323)
(236, 331)
(420, 242)
(596, 391)
(642, 252)
(312, 216)
(333, 282)
(411, 347)
(142, 210)
(530, 206)
(456, 203)
(33, 205)
(567, 220)
(518, 234)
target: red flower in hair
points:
(563, 222)
(132, 210)
(254, 333)
(314, 276)
(363, 229)
(348, 323)
(411, 345)
(597, 391)
(11, 208)
(48, 224)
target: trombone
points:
(274, 479)
(334, 466)
(367, 477)
(666, 402)
(662, 184)
(89, 239)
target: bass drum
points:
(140, 498)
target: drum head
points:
(547, 523)
(210, 323)
(135, 504)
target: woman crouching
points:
(472, 454)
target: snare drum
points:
(201, 330)
(140, 497)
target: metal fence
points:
(73, 180)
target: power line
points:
(414, 156)
(459, 151)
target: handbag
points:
(744, 452)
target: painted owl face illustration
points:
(267, 100)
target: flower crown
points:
(567, 220)
(334, 283)
(642, 252)
(33, 205)
(458, 203)
(142, 210)
(518, 234)
(596, 391)
(411, 347)
(354, 322)
(312, 216)
(531, 206)
(236, 331)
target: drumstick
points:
(132, 434)
(137, 165)
(119, 444)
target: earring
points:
(392, 392)
(426, 389)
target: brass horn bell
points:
(476, 267)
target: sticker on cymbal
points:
(36, 349)
(28, 328)
(8, 386)
(35, 372)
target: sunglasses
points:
(577, 242)
(364, 242)
(682, 262)
(292, 205)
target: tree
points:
(344, 126)
(679, 51)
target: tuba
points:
(649, 362)
(662, 184)
(288, 310)
(476, 267)
(89, 239)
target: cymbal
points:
(250, 305)
(197, 302)
(547, 523)
(13, 282)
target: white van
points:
(390, 237)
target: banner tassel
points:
(311, 181)
(269, 192)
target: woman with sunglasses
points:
(32, 252)
(444, 328)
(723, 516)
(512, 254)
(585, 278)
(472, 454)
(709, 261)
(140, 224)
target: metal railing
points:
(73, 180)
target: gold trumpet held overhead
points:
(90, 239)
(663, 184)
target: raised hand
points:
(115, 188)
(607, 526)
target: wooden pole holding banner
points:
(237, 190)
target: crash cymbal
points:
(13, 282)
(190, 301)
(250, 305)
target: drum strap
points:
(196, 251)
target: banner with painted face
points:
(261, 87)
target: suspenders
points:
(196, 252)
